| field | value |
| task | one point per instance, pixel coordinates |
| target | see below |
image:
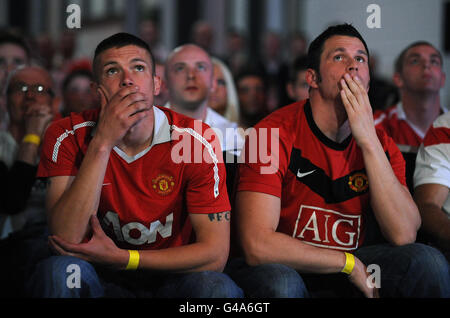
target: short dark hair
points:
(252, 70)
(119, 40)
(74, 74)
(316, 47)
(398, 65)
(300, 64)
(11, 38)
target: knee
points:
(64, 276)
(426, 260)
(215, 285)
(280, 281)
(429, 269)
(60, 266)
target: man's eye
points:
(360, 59)
(111, 71)
(179, 68)
(338, 58)
(202, 67)
(435, 62)
(140, 68)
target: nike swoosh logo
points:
(301, 175)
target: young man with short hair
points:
(337, 193)
(121, 197)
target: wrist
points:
(133, 260)
(349, 263)
(32, 139)
(100, 145)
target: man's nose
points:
(190, 73)
(352, 67)
(127, 80)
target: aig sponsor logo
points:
(327, 228)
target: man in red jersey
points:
(419, 77)
(117, 170)
(338, 182)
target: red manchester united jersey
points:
(145, 199)
(322, 184)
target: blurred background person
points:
(251, 87)
(236, 56)
(163, 97)
(297, 45)
(382, 92)
(77, 93)
(223, 99)
(23, 228)
(297, 87)
(14, 52)
(419, 77)
(276, 69)
(202, 34)
(149, 32)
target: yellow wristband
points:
(349, 263)
(133, 261)
(32, 139)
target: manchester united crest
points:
(358, 182)
(163, 184)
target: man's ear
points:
(312, 78)
(397, 80)
(156, 85)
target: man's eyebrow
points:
(137, 59)
(109, 63)
(343, 49)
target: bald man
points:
(30, 104)
(189, 75)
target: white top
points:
(433, 161)
(231, 139)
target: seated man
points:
(333, 183)
(419, 76)
(23, 231)
(189, 73)
(432, 183)
(120, 198)
(30, 103)
(14, 52)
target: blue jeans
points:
(413, 270)
(57, 277)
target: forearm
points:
(69, 216)
(274, 247)
(436, 223)
(187, 258)
(391, 202)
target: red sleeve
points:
(394, 155)
(60, 154)
(206, 190)
(264, 161)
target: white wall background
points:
(402, 22)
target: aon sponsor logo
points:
(136, 233)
